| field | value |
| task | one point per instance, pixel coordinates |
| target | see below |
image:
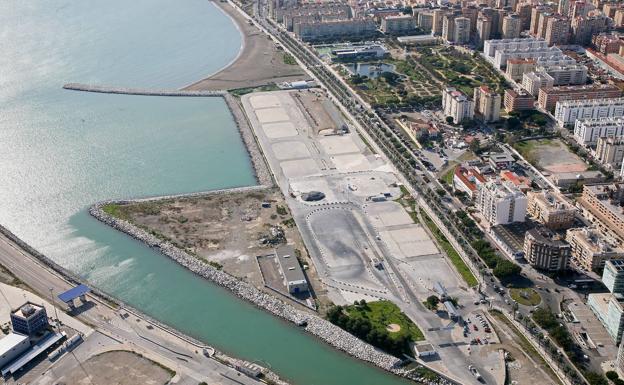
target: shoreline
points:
(314, 324)
(241, 49)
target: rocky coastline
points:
(311, 323)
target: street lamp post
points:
(58, 327)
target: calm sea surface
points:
(61, 151)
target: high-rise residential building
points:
(516, 68)
(619, 361)
(581, 9)
(548, 97)
(558, 30)
(484, 30)
(425, 21)
(592, 119)
(551, 210)
(334, 29)
(591, 249)
(533, 81)
(610, 152)
(448, 27)
(461, 34)
(501, 203)
(564, 7)
(602, 205)
(456, 105)
(542, 25)
(487, 104)
(518, 100)
(545, 250)
(438, 21)
(536, 13)
(472, 13)
(584, 27)
(512, 26)
(618, 19)
(524, 11)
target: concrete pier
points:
(141, 91)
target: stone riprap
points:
(313, 324)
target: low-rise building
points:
(501, 203)
(467, 179)
(565, 74)
(12, 346)
(294, 279)
(516, 68)
(335, 29)
(591, 249)
(587, 131)
(518, 100)
(456, 105)
(549, 96)
(544, 250)
(29, 319)
(397, 25)
(571, 178)
(501, 160)
(359, 52)
(533, 81)
(550, 210)
(603, 205)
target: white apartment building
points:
(456, 105)
(502, 56)
(569, 111)
(398, 24)
(568, 74)
(587, 131)
(491, 46)
(334, 29)
(501, 203)
(533, 81)
(610, 152)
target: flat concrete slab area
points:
(314, 184)
(338, 144)
(299, 168)
(351, 162)
(369, 184)
(408, 242)
(290, 150)
(279, 130)
(264, 101)
(430, 269)
(270, 115)
(384, 214)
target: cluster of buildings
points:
(486, 104)
(552, 238)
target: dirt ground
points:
(118, 368)
(226, 230)
(554, 156)
(523, 367)
(260, 63)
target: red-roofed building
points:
(467, 179)
(521, 182)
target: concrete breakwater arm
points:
(140, 91)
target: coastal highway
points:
(125, 326)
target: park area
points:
(461, 70)
(380, 323)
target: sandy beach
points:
(259, 63)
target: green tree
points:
(449, 119)
(475, 145)
(432, 302)
(506, 269)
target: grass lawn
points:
(525, 296)
(448, 176)
(453, 255)
(526, 148)
(383, 313)
(288, 59)
(409, 204)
